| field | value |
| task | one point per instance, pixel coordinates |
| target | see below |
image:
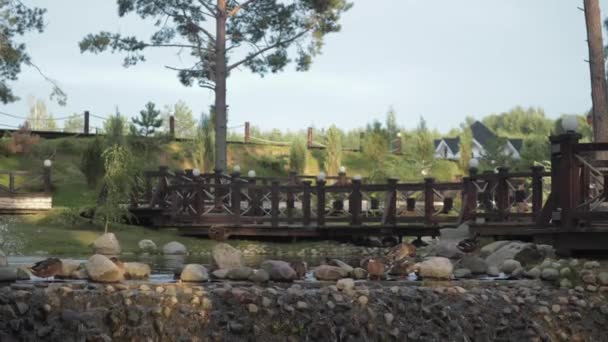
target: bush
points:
(333, 151)
(297, 156)
(91, 164)
(22, 141)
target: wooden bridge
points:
(25, 192)
(564, 206)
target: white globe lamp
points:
(196, 172)
(321, 176)
(48, 163)
(251, 174)
(570, 123)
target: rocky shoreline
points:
(359, 311)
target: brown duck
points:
(469, 245)
(47, 268)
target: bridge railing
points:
(17, 182)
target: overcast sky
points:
(441, 59)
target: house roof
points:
(482, 134)
(453, 143)
(517, 143)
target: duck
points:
(47, 268)
(469, 245)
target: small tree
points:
(333, 151)
(74, 124)
(39, 118)
(149, 120)
(495, 154)
(92, 163)
(297, 155)
(185, 125)
(202, 146)
(120, 170)
(115, 128)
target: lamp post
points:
(473, 166)
(46, 175)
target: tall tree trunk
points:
(220, 87)
(598, 72)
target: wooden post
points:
(306, 202)
(320, 203)
(398, 146)
(429, 201)
(172, 126)
(469, 198)
(564, 181)
(218, 191)
(255, 199)
(11, 181)
(247, 133)
(199, 198)
(390, 209)
(354, 204)
(502, 193)
(235, 187)
(148, 190)
(537, 191)
(309, 138)
(274, 199)
(163, 172)
(291, 202)
(86, 122)
(361, 140)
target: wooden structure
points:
(219, 206)
(566, 206)
(24, 192)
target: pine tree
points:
(148, 121)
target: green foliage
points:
(148, 121)
(119, 181)
(520, 122)
(74, 124)
(185, 125)
(466, 148)
(115, 129)
(583, 127)
(422, 149)
(495, 155)
(333, 151)
(536, 150)
(297, 155)
(39, 119)
(392, 128)
(17, 20)
(92, 163)
(202, 151)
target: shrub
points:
(333, 151)
(297, 156)
(91, 164)
(22, 141)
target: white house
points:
(449, 148)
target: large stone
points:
(3, 259)
(136, 270)
(490, 248)
(448, 249)
(462, 273)
(458, 234)
(328, 272)
(474, 263)
(509, 266)
(602, 277)
(525, 253)
(194, 273)
(279, 270)
(346, 284)
(147, 246)
(259, 276)
(101, 269)
(227, 257)
(339, 263)
(106, 244)
(435, 268)
(549, 274)
(10, 274)
(241, 273)
(174, 248)
(68, 267)
(220, 274)
(359, 273)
